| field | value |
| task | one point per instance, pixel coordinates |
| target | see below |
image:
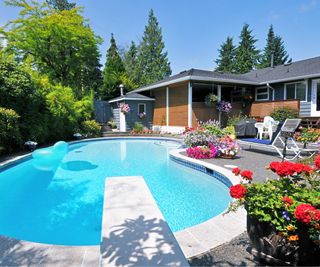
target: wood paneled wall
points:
(262, 109)
(159, 112)
(201, 112)
(178, 105)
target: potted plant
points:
(113, 125)
(210, 99)
(283, 214)
(227, 147)
(224, 106)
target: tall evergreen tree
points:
(61, 4)
(152, 59)
(112, 72)
(225, 61)
(275, 46)
(131, 64)
(247, 54)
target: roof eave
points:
(194, 78)
(129, 98)
(295, 78)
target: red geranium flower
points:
(306, 213)
(237, 191)
(274, 166)
(246, 174)
(287, 200)
(236, 171)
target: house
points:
(179, 99)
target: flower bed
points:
(284, 213)
(208, 137)
(202, 152)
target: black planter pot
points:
(275, 249)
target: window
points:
(262, 94)
(295, 91)
(141, 108)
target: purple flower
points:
(224, 106)
(285, 215)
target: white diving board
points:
(134, 231)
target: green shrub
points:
(9, 129)
(90, 128)
(213, 127)
(137, 127)
(233, 120)
(229, 130)
(112, 124)
(281, 114)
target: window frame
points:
(145, 107)
(295, 91)
(257, 93)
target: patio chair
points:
(283, 142)
(268, 126)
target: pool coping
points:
(201, 238)
(195, 240)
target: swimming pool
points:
(65, 206)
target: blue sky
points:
(193, 30)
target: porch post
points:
(219, 99)
(189, 104)
(167, 108)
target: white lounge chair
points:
(287, 149)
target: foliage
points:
(213, 127)
(61, 4)
(153, 62)
(224, 106)
(233, 120)
(9, 130)
(229, 131)
(57, 43)
(227, 52)
(137, 127)
(112, 124)
(247, 54)
(202, 152)
(211, 99)
(308, 135)
(291, 203)
(283, 113)
(90, 128)
(112, 72)
(276, 47)
(130, 62)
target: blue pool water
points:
(64, 206)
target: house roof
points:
(131, 96)
(302, 69)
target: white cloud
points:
(306, 7)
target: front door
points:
(315, 98)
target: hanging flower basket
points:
(211, 100)
(224, 106)
(124, 108)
